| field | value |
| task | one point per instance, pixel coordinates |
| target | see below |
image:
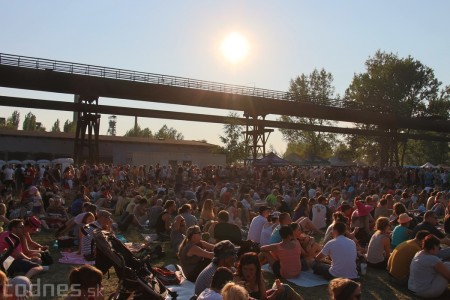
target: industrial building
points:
(35, 145)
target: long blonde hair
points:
(207, 210)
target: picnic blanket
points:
(73, 258)
(305, 279)
(185, 290)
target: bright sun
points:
(234, 47)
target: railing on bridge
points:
(121, 74)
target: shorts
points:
(21, 266)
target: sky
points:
(183, 38)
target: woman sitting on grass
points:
(194, 254)
(380, 245)
(284, 257)
(249, 275)
(429, 276)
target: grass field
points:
(375, 285)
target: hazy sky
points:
(183, 38)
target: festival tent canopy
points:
(428, 165)
(271, 159)
(442, 166)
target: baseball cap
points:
(104, 213)
(224, 248)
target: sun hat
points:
(363, 210)
(404, 218)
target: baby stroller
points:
(136, 280)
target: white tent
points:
(428, 165)
(29, 161)
(14, 162)
(44, 162)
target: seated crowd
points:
(332, 223)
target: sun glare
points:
(234, 47)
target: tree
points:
(168, 133)
(344, 152)
(137, 131)
(69, 127)
(314, 88)
(56, 127)
(391, 85)
(13, 121)
(29, 124)
(233, 139)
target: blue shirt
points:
(276, 237)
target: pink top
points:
(290, 265)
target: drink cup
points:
(363, 268)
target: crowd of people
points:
(333, 221)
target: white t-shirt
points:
(312, 193)
(209, 294)
(343, 255)
(245, 204)
(254, 231)
(319, 215)
(8, 174)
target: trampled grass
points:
(375, 285)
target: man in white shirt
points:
(319, 214)
(342, 252)
(8, 174)
(254, 231)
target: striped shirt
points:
(87, 237)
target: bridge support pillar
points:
(256, 136)
(87, 132)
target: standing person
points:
(429, 276)
(380, 245)
(224, 256)
(342, 252)
(257, 224)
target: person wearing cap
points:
(361, 219)
(21, 262)
(29, 247)
(380, 245)
(401, 232)
(224, 256)
(103, 222)
(257, 224)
